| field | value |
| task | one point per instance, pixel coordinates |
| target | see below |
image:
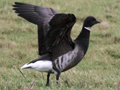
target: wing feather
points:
(37, 15)
(60, 28)
(53, 29)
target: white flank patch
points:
(87, 28)
(42, 66)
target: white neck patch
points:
(87, 28)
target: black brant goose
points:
(58, 52)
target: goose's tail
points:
(26, 66)
(42, 66)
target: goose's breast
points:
(68, 60)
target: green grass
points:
(99, 70)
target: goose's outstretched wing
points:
(53, 29)
(60, 29)
(37, 15)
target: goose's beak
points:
(97, 22)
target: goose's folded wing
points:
(37, 15)
(60, 29)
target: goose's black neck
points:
(83, 39)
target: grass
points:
(99, 70)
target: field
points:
(99, 70)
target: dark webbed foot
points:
(47, 84)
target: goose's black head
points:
(90, 21)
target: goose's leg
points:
(57, 77)
(48, 75)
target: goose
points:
(57, 51)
